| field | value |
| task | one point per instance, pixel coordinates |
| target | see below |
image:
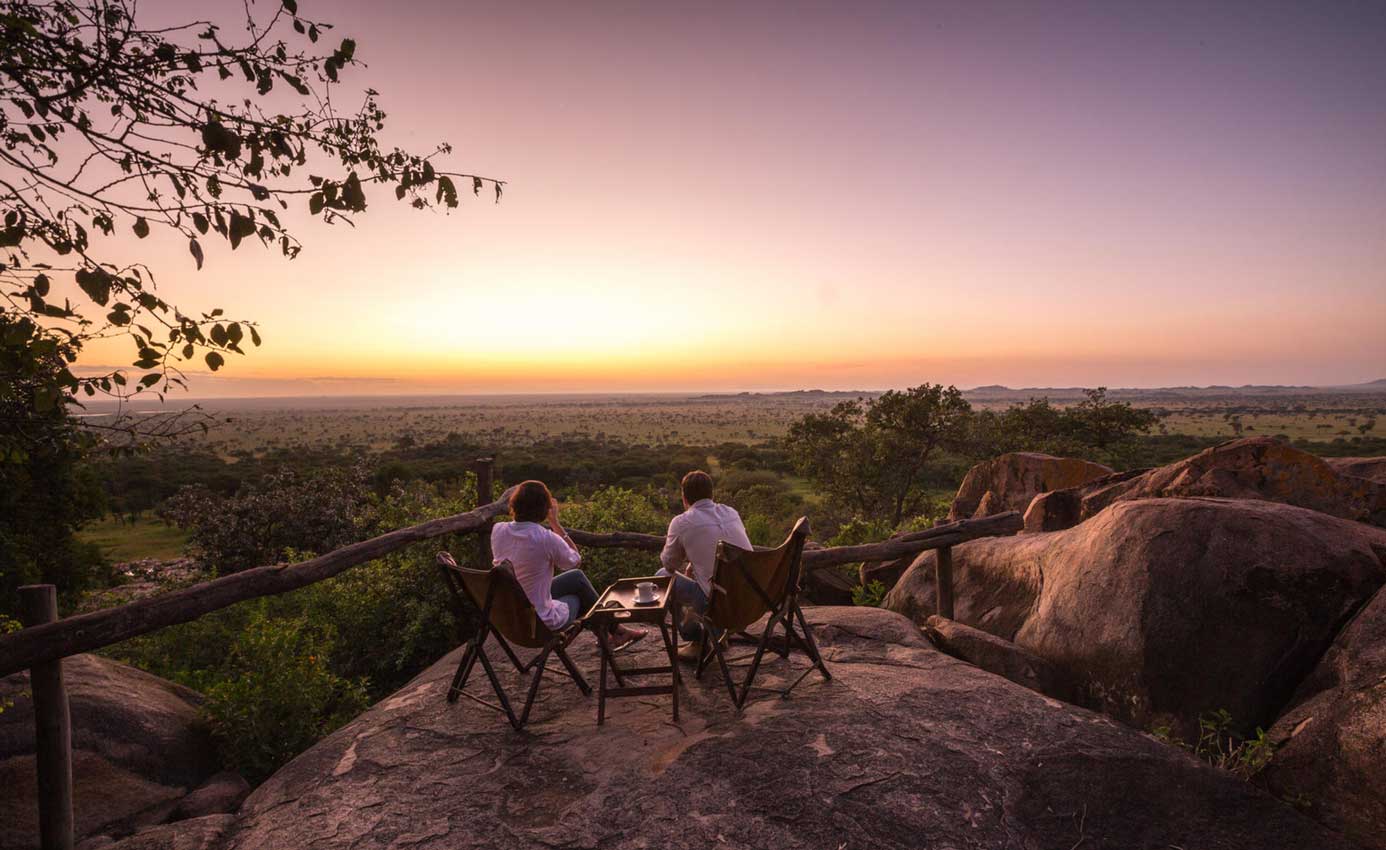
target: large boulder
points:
(1160, 610)
(1260, 468)
(1370, 468)
(1331, 744)
(904, 748)
(139, 745)
(1010, 481)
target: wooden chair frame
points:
(784, 612)
(501, 579)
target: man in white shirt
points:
(690, 550)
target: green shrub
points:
(395, 609)
(615, 509)
(858, 530)
(317, 511)
(1219, 745)
(282, 697)
(873, 594)
(277, 675)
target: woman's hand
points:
(553, 516)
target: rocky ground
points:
(1247, 579)
(904, 748)
(142, 755)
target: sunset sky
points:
(728, 196)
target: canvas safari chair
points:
(745, 587)
(509, 617)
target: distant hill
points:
(1000, 392)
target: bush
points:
(314, 512)
(281, 697)
(871, 595)
(858, 530)
(396, 609)
(1223, 748)
(615, 509)
(275, 672)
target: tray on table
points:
(662, 613)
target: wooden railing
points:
(46, 640)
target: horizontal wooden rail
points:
(108, 626)
(938, 537)
(618, 540)
(96, 629)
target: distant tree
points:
(108, 127)
(1105, 423)
(1096, 428)
(873, 456)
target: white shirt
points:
(536, 553)
(693, 538)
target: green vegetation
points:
(284, 696)
(46, 494)
(1096, 428)
(286, 657)
(877, 461)
(1222, 747)
(121, 541)
(875, 458)
(872, 594)
(361, 635)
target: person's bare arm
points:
(574, 556)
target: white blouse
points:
(536, 553)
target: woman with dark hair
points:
(536, 553)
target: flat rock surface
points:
(905, 747)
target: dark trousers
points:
(574, 590)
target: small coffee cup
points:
(645, 591)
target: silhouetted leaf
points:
(96, 283)
(214, 360)
(196, 250)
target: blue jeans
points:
(689, 594)
(574, 590)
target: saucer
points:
(653, 600)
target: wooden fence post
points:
(484, 469)
(943, 581)
(38, 604)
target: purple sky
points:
(758, 196)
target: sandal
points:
(639, 635)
